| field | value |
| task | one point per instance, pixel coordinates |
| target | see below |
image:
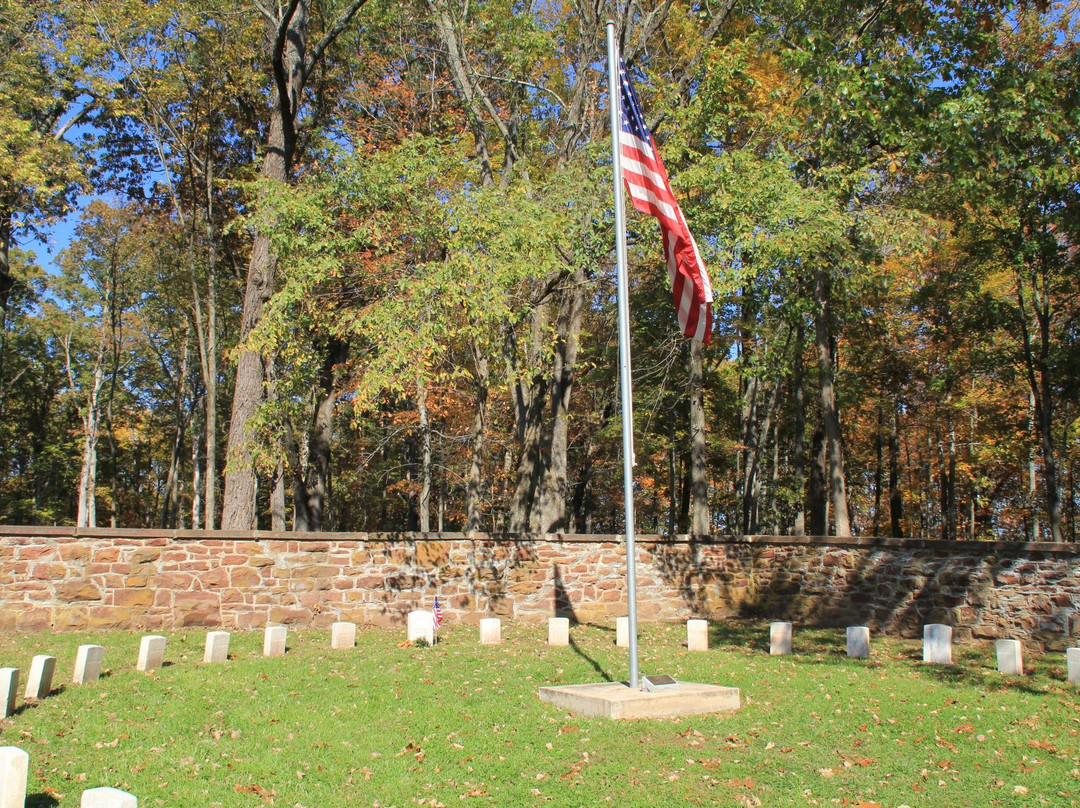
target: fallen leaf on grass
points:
(256, 789)
(745, 782)
(1049, 747)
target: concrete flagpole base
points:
(620, 701)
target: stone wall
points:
(56, 579)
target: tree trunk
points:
(798, 439)
(1032, 496)
(206, 326)
(447, 32)
(311, 481)
(896, 499)
(1037, 364)
(529, 397)
(277, 500)
(553, 495)
(879, 469)
(685, 525)
(171, 499)
(293, 62)
(473, 490)
(673, 483)
(7, 283)
(248, 390)
(539, 500)
(91, 422)
(425, 455)
(819, 492)
(774, 504)
(196, 468)
(758, 435)
(830, 416)
(699, 471)
(581, 500)
(87, 513)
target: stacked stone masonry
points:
(61, 579)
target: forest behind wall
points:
(349, 265)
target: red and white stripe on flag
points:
(650, 191)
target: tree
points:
(1014, 167)
(97, 290)
(295, 52)
(43, 92)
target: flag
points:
(436, 614)
(647, 183)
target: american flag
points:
(436, 614)
(647, 182)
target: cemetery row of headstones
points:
(937, 640)
(937, 649)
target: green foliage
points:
(921, 156)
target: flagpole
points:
(626, 393)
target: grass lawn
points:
(460, 724)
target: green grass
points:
(461, 725)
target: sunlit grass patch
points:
(461, 724)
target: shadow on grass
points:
(753, 635)
(973, 666)
(739, 635)
(970, 669)
(596, 666)
(41, 800)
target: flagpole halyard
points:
(626, 393)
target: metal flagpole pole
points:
(626, 393)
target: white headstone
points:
(697, 635)
(858, 642)
(1072, 661)
(9, 688)
(937, 644)
(14, 765)
(490, 631)
(108, 798)
(88, 663)
(342, 635)
(622, 632)
(1010, 657)
(558, 631)
(274, 640)
(151, 653)
(39, 682)
(217, 647)
(779, 639)
(421, 626)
